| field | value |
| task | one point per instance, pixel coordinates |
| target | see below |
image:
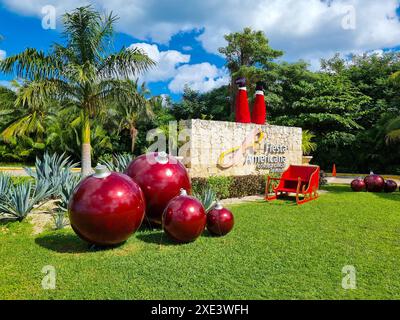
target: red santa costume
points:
(242, 104)
(259, 110)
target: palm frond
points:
(32, 64)
(125, 64)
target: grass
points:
(276, 251)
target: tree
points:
(210, 105)
(28, 117)
(129, 113)
(248, 54)
(83, 71)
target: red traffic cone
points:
(334, 170)
(242, 104)
(259, 110)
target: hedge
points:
(237, 186)
(231, 187)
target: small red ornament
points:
(390, 186)
(374, 183)
(161, 177)
(106, 208)
(220, 221)
(358, 184)
(184, 219)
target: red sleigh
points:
(301, 180)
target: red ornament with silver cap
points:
(259, 113)
(161, 177)
(220, 221)
(242, 114)
(184, 219)
(106, 208)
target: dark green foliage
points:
(322, 178)
(247, 186)
(198, 185)
(231, 187)
(220, 185)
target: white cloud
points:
(173, 66)
(308, 29)
(2, 54)
(201, 77)
(167, 62)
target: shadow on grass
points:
(395, 196)
(156, 237)
(63, 243)
(69, 243)
(337, 188)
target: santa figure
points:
(242, 104)
(259, 110)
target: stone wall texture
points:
(210, 139)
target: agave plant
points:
(60, 220)
(66, 191)
(118, 163)
(21, 199)
(5, 183)
(52, 172)
(207, 197)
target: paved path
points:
(20, 172)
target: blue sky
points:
(184, 36)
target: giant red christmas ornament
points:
(106, 208)
(161, 177)
(390, 186)
(242, 113)
(184, 219)
(374, 183)
(358, 184)
(259, 112)
(220, 220)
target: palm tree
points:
(27, 117)
(129, 113)
(83, 71)
(307, 144)
(393, 130)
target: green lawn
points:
(276, 251)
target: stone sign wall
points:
(229, 148)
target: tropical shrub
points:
(307, 145)
(220, 185)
